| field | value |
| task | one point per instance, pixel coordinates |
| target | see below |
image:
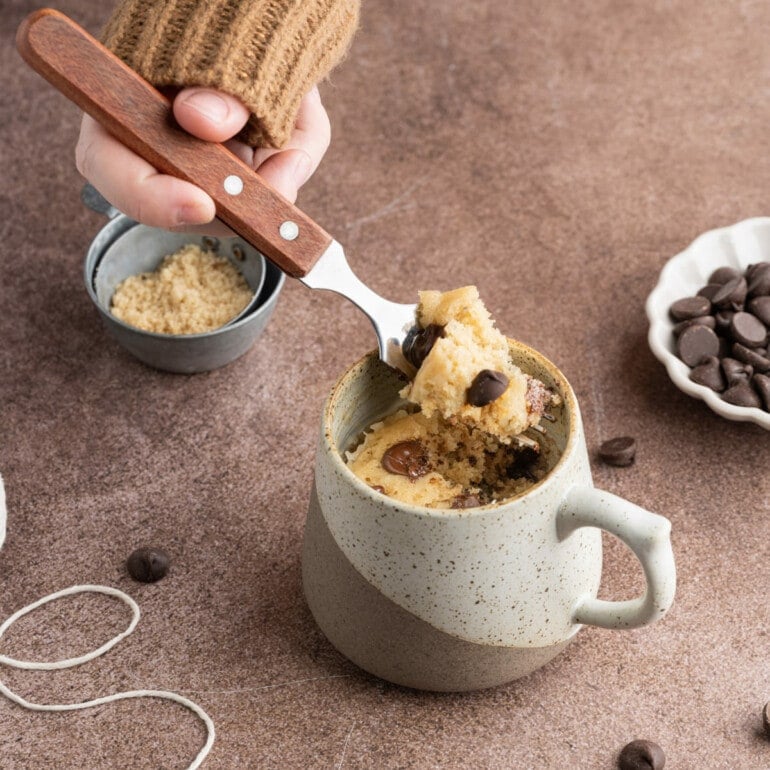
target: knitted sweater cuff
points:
(268, 53)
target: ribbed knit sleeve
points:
(268, 53)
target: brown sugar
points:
(191, 291)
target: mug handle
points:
(646, 534)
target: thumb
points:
(210, 115)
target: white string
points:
(70, 662)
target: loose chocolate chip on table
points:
(697, 342)
(760, 307)
(641, 755)
(419, 342)
(724, 274)
(742, 394)
(619, 451)
(709, 373)
(766, 719)
(487, 386)
(148, 564)
(689, 307)
(762, 384)
(748, 330)
(407, 458)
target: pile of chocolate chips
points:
(723, 332)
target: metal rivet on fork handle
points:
(289, 230)
(233, 185)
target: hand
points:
(134, 187)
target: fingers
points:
(209, 114)
(133, 186)
(287, 171)
(137, 189)
(289, 168)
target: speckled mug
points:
(454, 600)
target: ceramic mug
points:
(464, 599)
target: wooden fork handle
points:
(141, 118)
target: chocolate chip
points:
(407, 458)
(697, 342)
(731, 294)
(752, 269)
(724, 274)
(709, 290)
(419, 342)
(466, 501)
(378, 488)
(148, 564)
(619, 451)
(760, 307)
(766, 718)
(762, 385)
(722, 320)
(753, 357)
(759, 280)
(742, 394)
(748, 330)
(689, 307)
(709, 373)
(487, 386)
(736, 371)
(641, 755)
(702, 320)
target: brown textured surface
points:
(552, 155)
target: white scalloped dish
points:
(738, 246)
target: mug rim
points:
(569, 403)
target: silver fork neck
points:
(390, 320)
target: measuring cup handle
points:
(645, 533)
(141, 118)
(95, 201)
